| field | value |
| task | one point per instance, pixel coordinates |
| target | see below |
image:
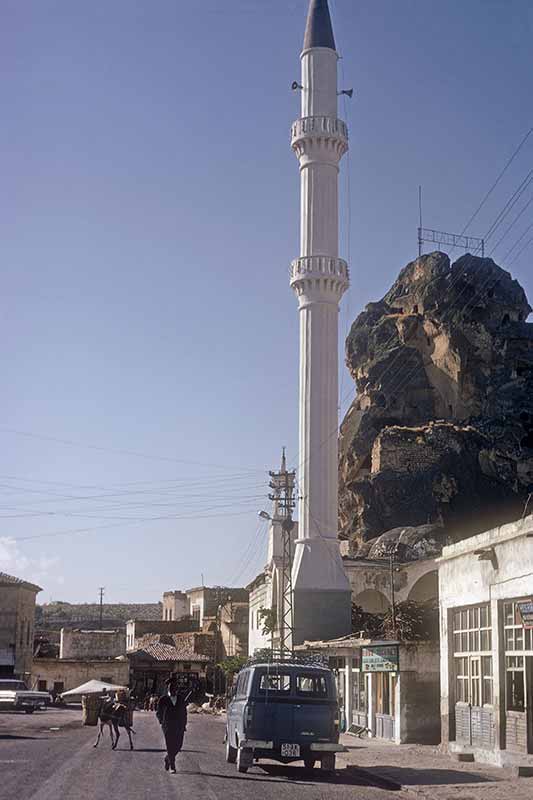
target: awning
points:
(92, 687)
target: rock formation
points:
(441, 430)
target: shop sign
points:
(526, 612)
(381, 658)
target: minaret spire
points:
(318, 30)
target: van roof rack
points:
(307, 659)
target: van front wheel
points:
(309, 763)
(231, 752)
(245, 759)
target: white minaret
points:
(319, 279)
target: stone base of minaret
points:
(322, 599)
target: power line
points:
(496, 182)
(76, 531)
(137, 454)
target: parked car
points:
(15, 695)
(286, 712)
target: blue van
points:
(286, 712)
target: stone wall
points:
(17, 613)
(407, 449)
(72, 672)
(137, 628)
(92, 644)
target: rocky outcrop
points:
(441, 430)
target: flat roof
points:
(491, 538)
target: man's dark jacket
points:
(172, 717)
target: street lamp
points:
(264, 515)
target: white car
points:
(15, 696)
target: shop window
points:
(514, 683)
(473, 667)
(359, 700)
(472, 630)
(516, 637)
(41, 686)
(487, 680)
(462, 693)
(385, 693)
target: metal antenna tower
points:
(282, 484)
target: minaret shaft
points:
(319, 278)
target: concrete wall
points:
(418, 711)
(17, 613)
(92, 644)
(73, 673)
(464, 580)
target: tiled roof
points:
(10, 580)
(167, 652)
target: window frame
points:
(473, 662)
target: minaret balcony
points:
(328, 133)
(320, 275)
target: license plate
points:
(290, 750)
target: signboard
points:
(526, 612)
(381, 658)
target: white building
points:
(486, 601)
(265, 591)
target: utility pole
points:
(282, 483)
(102, 590)
(392, 553)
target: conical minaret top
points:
(318, 31)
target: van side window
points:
(242, 684)
(275, 682)
(311, 685)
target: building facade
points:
(486, 599)
(61, 674)
(175, 605)
(390, 689)
(17, 615)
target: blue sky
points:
(149, 211)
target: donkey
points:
(114, 715)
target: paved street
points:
(39, 763)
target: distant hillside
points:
(67, 615)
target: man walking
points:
(172, 715)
